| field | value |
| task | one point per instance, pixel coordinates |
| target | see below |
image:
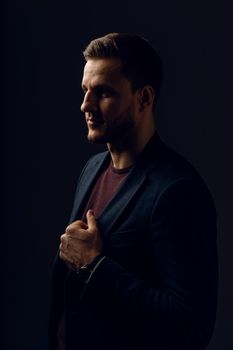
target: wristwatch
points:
(84, 272)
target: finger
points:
(64, 238)
(74, 260)
(65, 257)
(76, 226)
(63, 247)
(91, 221)
(64, 242)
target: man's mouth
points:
(94, 122)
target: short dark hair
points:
(141, 64)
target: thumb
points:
(91, 220)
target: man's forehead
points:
(102, 67)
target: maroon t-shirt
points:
(106, 186)
(104, 190)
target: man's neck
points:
(123, 156)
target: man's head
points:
(141, 64)
(121, 83)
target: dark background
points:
(44, 134)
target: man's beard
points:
(116, 131)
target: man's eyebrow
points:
(104, 86)
(99, 86)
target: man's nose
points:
(89, 103)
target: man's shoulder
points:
(174, 165)
(171, 167)
(172, 177)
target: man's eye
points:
(105, 93)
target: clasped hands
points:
(81, 242)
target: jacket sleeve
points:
(181, 245)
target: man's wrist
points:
(85, 271)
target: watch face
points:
(84, 273)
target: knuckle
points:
(78, 223)
(72, 228)
(69, 230)
(63, 237)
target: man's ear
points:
(147, 95)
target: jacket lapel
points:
(90, 174)
(120, 201)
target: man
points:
(137, 265)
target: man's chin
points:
(99, 139)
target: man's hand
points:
(81, 242)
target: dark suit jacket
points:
(157, 287)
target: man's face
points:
(109, 104)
